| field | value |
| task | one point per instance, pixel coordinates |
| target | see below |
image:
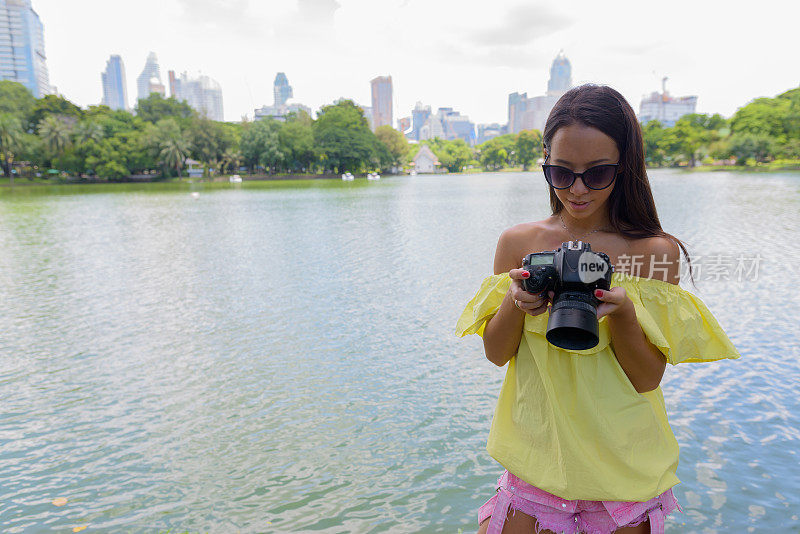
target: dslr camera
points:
(572, 272)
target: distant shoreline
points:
(26, 182)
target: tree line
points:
(51, 135)
(764, 130)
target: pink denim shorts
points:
(570, 517)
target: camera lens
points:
(573, 321)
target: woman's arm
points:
(642, 362)
(503, 331)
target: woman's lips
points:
(576, 206)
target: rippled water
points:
(281, 357)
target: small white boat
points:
(195, 195)
(373, 176)
(348, 176)
(413, 173)
(235, 179)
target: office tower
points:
(201, 93)
(144, 80)
(115, 91)
(381, 101)
(560, 76)
(22, 57)
(281, 89)
(517, 104)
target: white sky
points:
(467, 54)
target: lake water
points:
(278, 357)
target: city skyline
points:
(478, 55)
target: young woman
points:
(583, 434)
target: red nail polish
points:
(525, 274)
(598, 293)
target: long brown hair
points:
(632, 210)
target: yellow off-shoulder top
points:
(570, 422)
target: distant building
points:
(115, 85)
(531, 113)
(404, 124)
(282, 92)
(419, 115)
(381, 101)
(448, 124)
(664, 108)
(281, 89)
(489, 131)
(517, 104)
(280, 114)
(368, 114)
(202, 93)
(560, 75)
(144, 82)
(173, 84)
(425, 162)
(22, 57)
(155, 86)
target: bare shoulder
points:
(660, 258)
(517, 241)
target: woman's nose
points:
(578, 187)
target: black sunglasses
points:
(597, 177)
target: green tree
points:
(654, 135)
(55, 105)
(453, 155)
(260, 145)
(395, 142)
(10, 140)
(17, 100)
(765, 116)
(155, 107)
(86, 131)
(206, 140)
(493, 156)
(296, 138)
(529, 147)
(56, 135)
(343, 138)
(173, 153)
(231, 160)
(746, 146)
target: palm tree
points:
(88, 131)
(55, 133)
(231, 158)
(173, 152)
(10, 139)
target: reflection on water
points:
(280, 356)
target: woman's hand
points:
(530, 303)
(613, 302)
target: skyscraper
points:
(560, 75)
(115, 90)
(281, 89)
(381, 101)
(202, 93)
(531, 113)
(22, 57)
(144, 80)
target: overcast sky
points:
(466, 54)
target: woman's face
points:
(579, 147)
